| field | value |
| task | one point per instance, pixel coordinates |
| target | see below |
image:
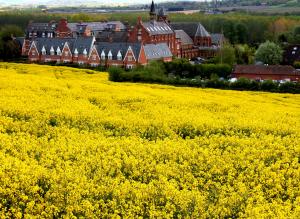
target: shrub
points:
(268, 85)
(115, 74)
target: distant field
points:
(263, 9)
(73, 144)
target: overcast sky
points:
(71, 2)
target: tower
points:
(152, 11)
(162, 15)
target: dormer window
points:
(52, 51)
(102, 54)
(76, 53)
(43, 51)
(119, 56)
(109, 55)
(58, 51)
(85, 52)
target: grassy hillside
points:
(73, 144)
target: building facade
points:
(86, 51)
(266, 72)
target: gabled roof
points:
(157, 51)
(116, 47)
(184, 38)
(192, 29)
(265, 70)
(82, 43)
(79, 43)
(20, 40)
(157, 27)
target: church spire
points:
(152, 11)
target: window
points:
(129, 66)
(109, 55)
(33, 53)
(66, 53)
(119, 56)
(103, 55)
(94, 57)
(129, 58)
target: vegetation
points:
(238, 28)
(181, 72)
(9, 49)
(73, 144)
(269, 53)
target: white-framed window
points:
(119, 56)
(103, 55)
(129, 58)
(94, 57)
(129, 66)
(33, 53)
(58, 51)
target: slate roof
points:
(201, 31)
(116, 47)
(41, 27)
(20, 40)
(217, 38)
(98, 26)
(119, 36)
(192, 29)
(157, 51)
(265, 70)
(157, 28)
(184, 38)
(79, 43)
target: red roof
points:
(266, 70)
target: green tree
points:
(244, 54)
(269, 53)
(8, 47)
(241, 33)
(8, 31)
(226, 55)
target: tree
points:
(8, 47)
(226, 55)
(269, 53)
(8, 31)
(241, 33)
(244, 54)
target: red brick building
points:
(62, 30)
(157, 30)
(86, 51)
(266, 72)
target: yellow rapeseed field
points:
(74, 145)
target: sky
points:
(71, 2)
